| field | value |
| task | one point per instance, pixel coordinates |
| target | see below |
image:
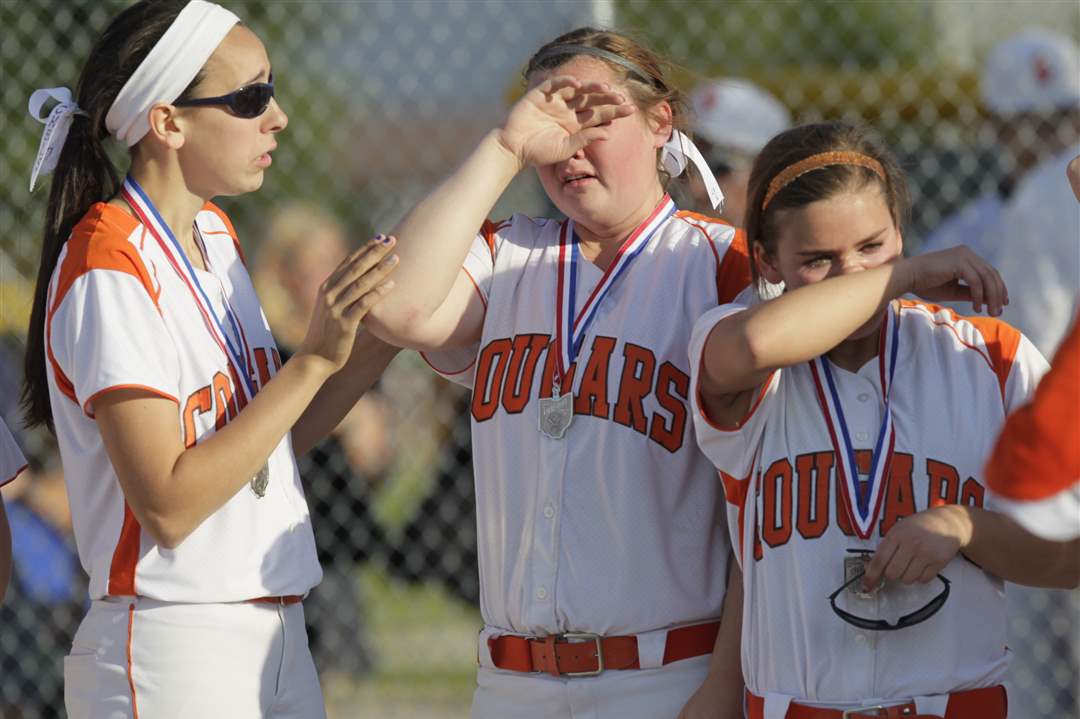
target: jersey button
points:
(863, 397)
(549, 511)
(541, 593)
(862, 436)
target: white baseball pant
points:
(144, 658)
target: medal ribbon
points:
(571, 327)
(236, 356)
(863, 505)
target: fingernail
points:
(388, 240)
(379, 237)
(388, 285)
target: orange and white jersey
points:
(955, 379)
(618, 527)
(119, 316)
(1035, 467)
(12, 462)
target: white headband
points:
(169, 67)
(56, 129)
(678, 152)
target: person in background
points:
(732, 120)
(1028, 227)
(301, 246)
(1030, 85)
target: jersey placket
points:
(860, 395)
(543, 602)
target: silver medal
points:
(261, 480)
(856, 566)
(556, 413)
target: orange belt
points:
(286, 600)
(988, 703)
(583, 654)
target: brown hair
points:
(84, 173)
(647, 83)
(797, 144)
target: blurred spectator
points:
(733, 119)
(1029, 227)
(302, 247)
(47, 595)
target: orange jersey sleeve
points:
(1038, 452)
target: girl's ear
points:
(766, 266)
(661, 121)
(165, 126)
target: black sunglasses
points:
(880, 625)
(249, 101)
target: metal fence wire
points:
(384, 97)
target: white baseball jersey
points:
(617, 528)
(955, 379)
(120, 315)
(12, 462)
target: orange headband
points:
(815, 162)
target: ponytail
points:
(84, 173)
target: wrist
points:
(498, 140)
(310, 366)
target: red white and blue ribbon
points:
(571, 327)
(863, 500)
(236, 353)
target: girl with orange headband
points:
(850, 427)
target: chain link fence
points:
(384, 97)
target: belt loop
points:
(553, 661)
(935, 705)
(650, 646)
(776, 706)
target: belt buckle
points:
(581, 638)
(854, 713)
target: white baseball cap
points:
(1032, 70)
(737, 114)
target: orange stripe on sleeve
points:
(1038, 453)
(98, 242)
(88, 405)
(1002, 340)
(733, 275)
(125, 557)
(488, 230)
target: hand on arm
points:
(721, 696)
(172, 489)
(550, 123)
(743, 349)
(918, 547)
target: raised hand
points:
(958, 274)
(351, 290)
(560, 116)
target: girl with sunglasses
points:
(850, 427)
(602, 550)
(149, 355)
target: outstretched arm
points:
(435, 305)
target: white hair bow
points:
(678, 152)
(57, 123)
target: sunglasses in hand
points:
(880, 625)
